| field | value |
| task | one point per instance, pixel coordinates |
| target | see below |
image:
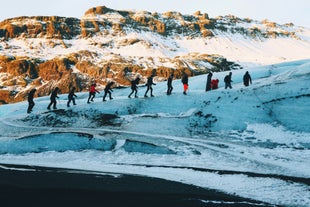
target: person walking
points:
(53, 98)
(71, 97)
(108, 90)
(228, 80)
(209, 78)
(92, 92)
(134, 87)
(169, 84)
(149, 84)
(30, 100)
(247, 80)
(185, 83)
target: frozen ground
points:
(252, 142)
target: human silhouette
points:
(134, 87)
(30, 100)
(71, 97)
(228, 80)
(247, 80)
(208, 84)
(149, 84)
(53, 98)
(92, 92)
(108, 90)
(169, 84)
(185, 83)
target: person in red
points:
(214, 84)
(185, 83)
(92, 92)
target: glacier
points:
(253, 141)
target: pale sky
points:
(280, 11)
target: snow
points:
(248, 141)
(244, 50)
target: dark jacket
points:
(150, 81)
(108, 87)
(31, 95)
(247, 79)
(208, 85)
(227, 78)
(169, 82)
(185, 79)
(71, 93)
(134, 83)
(54, 94)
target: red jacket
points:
(214, 83)
(93, 89)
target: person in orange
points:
(185, 83)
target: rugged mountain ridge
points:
(105, 44)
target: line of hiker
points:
(211, 84)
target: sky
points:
(280, 11)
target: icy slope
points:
(253, 142)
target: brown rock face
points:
(41, 26)
(55, 69)
(21, 68)
(98, 10)
(5, 97)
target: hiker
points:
(71, 96)
(30, 100)
(208, 85)
(228, 80)
(53, 98)
(149, 84)
(247, 80)
(185, 83)
(134, 87)
(108, 90)
(214, 84)
(92, 92)
(169, 84)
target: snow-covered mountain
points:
(105, 44)
(251, 141)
